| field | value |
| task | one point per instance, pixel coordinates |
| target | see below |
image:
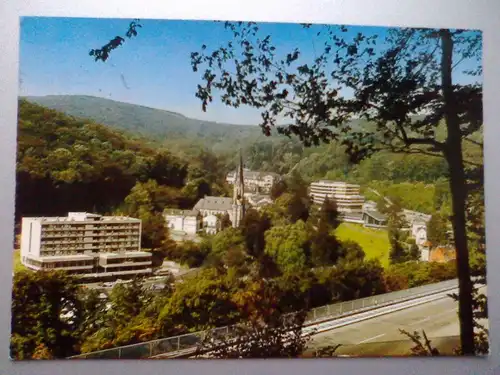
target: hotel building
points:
(86, 245)
(346, 196)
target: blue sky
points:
(152, 69)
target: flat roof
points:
(330, 182)
(74, 219)
(55, 258)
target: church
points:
(207, 212)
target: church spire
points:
(239, 194)
(242, 186)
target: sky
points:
(152, 69)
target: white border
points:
(469, 14)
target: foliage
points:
(202, 302)
(82, 166)
(437, 229)
(190, 253)
(357, 279)
(253, 226)
(38, 326)
(226, 240)
(17, 266)
(412, 74)
(421, 349)
(288, 246)
(274, 336)
(125, 321)
(396, 223)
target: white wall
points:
(425, 254)
(211, 224)
(174, 222)
(182, 224)
(190, 225)
(30, 242)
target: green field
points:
(374, 242)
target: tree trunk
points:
(454, 158)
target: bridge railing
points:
(190, 340)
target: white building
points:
(187, 221)
(211, 224)
(207, 212)
(255, 181)
(258, 201)
(86, 245)
(346, 196)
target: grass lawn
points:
(17, 266)
(375, 242)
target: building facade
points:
(347, 197)
(85, 245)
(188, 221)
(254, 181)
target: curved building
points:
(347, 197)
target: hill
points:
(136, 118)
(76, 165)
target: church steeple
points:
(239, 194)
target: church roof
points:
(181, 212)
(214, 203)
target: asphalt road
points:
(381, 336)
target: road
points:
(381, 336)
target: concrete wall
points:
(31, 231)
(189, 224)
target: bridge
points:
(328, 323)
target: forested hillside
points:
(66, 164)
(419, 180)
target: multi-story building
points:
(346, 196)
(86, 245)
(255, 181)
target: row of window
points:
(131, 260)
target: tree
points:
(411, 74)
(253, 226)
(329, 214)
(397, 237)
(199, 303)
(357, 279)
(227, 239)
(276, 337)
(45, 315)
(225, 222)
(93, 313)
(351, 251)
(414, 252)
(437, 230)
(288, 246)
(278, 189)
(147, 201)
(325, 248)
(293, 207)
(191, 254)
